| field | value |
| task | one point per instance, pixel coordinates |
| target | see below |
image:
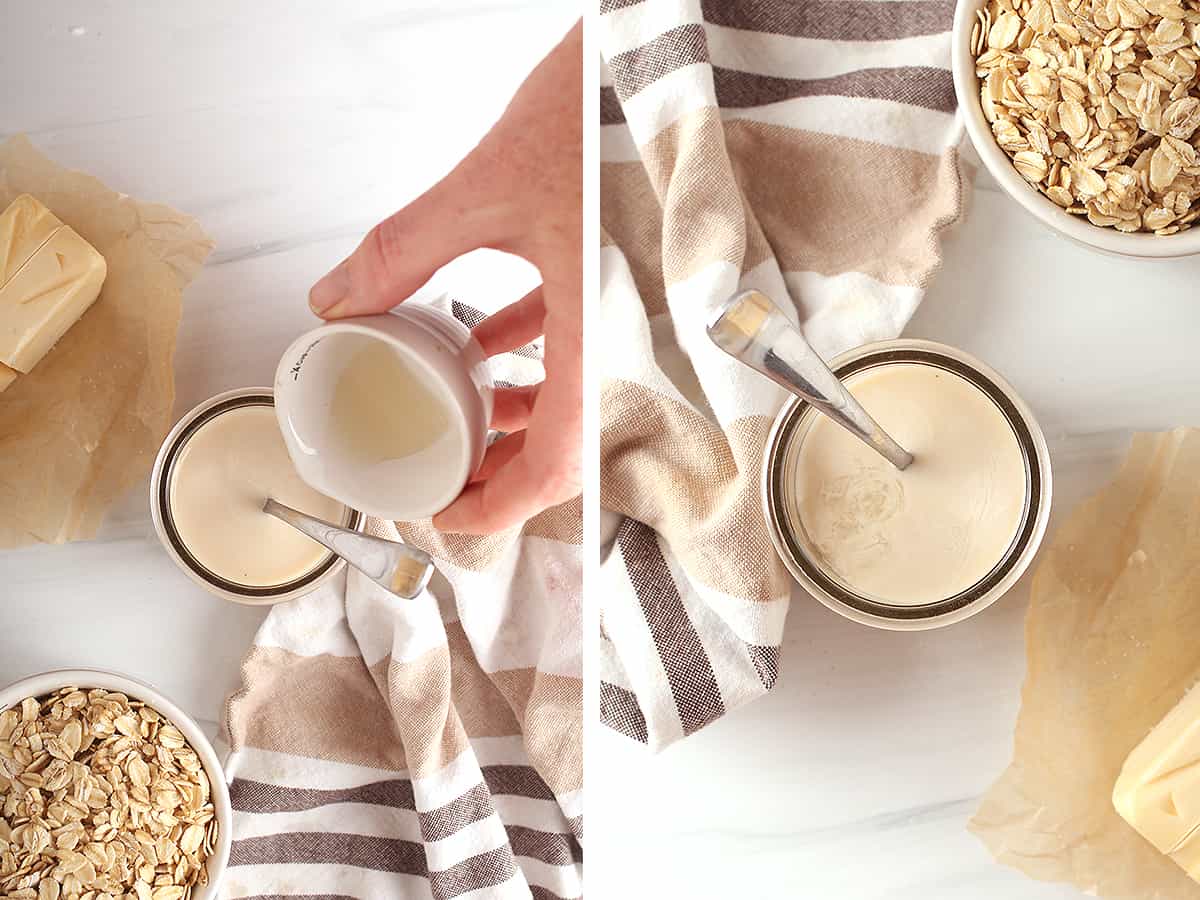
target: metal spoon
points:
(752, 329)
(399, 568)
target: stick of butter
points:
(49, 276)
(1158, 791)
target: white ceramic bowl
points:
(49, 682)
(440, 352)
(997, 162)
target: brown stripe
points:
(327, 848)
(323, 707)
(485, 870)
(924, 86)
(766, 663)
(639, 68)
(576, 825)
(540, 893)
(611, 112)
(473, 806)
(665, 464)
(607, 6)
(259, 797)
(552, 849)
(472, 318)
(467, 314)
(689, 672)
(619, 710)
(519, 781)
(839, 20)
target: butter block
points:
(24, 226)
(1187, 857)
(46, 296)
(1158, 791)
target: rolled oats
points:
(101, 798)
(1097, 104)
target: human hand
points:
(521, 191)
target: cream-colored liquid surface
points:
(219, 482)
(382, 409)
(935, 529)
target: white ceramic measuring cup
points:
(438, 350)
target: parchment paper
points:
(85, 424)
(1113, 642)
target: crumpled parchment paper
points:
(86, 423)
(1113, 642)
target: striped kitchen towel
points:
(427, 748)
(805, 148)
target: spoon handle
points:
(399, 568)
(752, 329)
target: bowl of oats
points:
(107, 789)
(1087, 113)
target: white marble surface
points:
(854, 779)
(287, 129)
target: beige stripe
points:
(420, 694)
(703, 219)
(478, 552)
(707, 218)
(563, 523)
(794, 192)
(483, 708)
(467, 551)
(833, 204)
(326, 707)
(632, 218)
(667, 466)
(550, 709)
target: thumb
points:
(403, 252)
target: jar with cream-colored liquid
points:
(930, 545)
(212, 476)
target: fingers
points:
(402, 252)
(498, 455)
(516, 492)
(526, 472)
(513, 407)
(514, 326)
